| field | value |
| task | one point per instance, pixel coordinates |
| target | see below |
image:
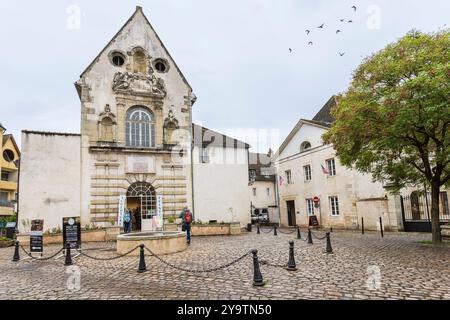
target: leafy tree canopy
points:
(394, 120)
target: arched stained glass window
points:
(140, 128)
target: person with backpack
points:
(186, 216)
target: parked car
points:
(260, 216)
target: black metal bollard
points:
(331, 229)
(299, 236)
(362, 225)
(275, 230)
(329, 248)
(258, 280)
(310, 240)
(16, 256)
(68, 260)
(142, 266)
(291, 266)
(381, 227)
(258, 231)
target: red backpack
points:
(188, 217)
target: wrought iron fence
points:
(417, 206)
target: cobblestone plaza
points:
(407, 269)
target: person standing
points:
(186, 215)
(126, 221)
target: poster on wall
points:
(72, 232)
(37, 236)
(122, 201)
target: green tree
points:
(394, 120)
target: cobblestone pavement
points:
(408, 269)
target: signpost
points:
(313, 222)
(37, 236)
(72, 232)
(316, 202)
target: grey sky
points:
(234, 53)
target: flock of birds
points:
(322, 26)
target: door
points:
(145, 197)
(291, 213)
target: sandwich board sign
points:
(72, 232)
(37, 236)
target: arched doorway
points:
(141, 199)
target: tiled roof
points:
(210, 139)
(257, 161)
(324, 115)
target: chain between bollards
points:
(68, 260)
(291, 266)
(258, 280)
(142, 266)
(16, 256)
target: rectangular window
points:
(252, 174)
(331, 167)
(205, 156)
(288, 177)
(334, 206)
(310, 207)
(254, 192)
(307, 173)
(5, 176)
(3, 198)
(268, 192)
(444, 204)
(267, 171)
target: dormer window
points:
(305, 146)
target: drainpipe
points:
(18, 197)
(277, 198)
(191, 130)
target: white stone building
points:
(262, 186)
(308, 168)
(135, 141)
(220, 167)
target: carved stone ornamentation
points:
(138, 84)
(107, 114)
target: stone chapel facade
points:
(135, 102)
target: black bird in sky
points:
(342, 20)
(341, 54)
(338, 31)
(354, 8)
(350, 21)
(308, 32)
(310, 43)
(321, 26)
(290, 50)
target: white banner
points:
(122, 201)
(159, 219)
